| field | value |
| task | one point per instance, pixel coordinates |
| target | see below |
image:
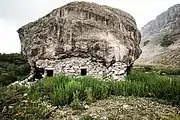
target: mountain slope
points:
(161, 39)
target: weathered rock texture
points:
(161, 39)
(82, 35)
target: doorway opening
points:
(39, 73)
(83, 71)
(49, 73)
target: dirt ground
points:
(120, 108)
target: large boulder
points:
(82, 34)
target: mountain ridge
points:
(160, 42)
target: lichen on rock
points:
(82, 35)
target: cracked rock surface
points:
(98, 33)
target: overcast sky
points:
(15, 13)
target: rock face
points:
(82, 38)
(161, 39)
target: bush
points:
(14, 104)
(7, 79)
(13, 67)
(59, 89)
(154, 85)
(146, 42)
(76, 103)
(171, 71)
(89, 94)
(167, 41)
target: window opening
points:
(49, 73)
(83, 72)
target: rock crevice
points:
(78, 30)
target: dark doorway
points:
(83, 72)
(129, 68)
(41, 70)
(49, 73)
(39, 73)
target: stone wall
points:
(95, 35)
(74, 65)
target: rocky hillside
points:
(161, 39)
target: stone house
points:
(75, 39)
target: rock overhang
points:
(78, 30)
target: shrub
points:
(59, 89)
(7, 79)
(14, 104)
(13, 67)
(89, 94)
(166, 41)
(171, 71)
(146, 42)
(154, 85)
(76, 103)
(67, 90)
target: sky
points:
(16, 13)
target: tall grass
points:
(59, 90)
(154, 85)
(14, 105)
(162, 70)
(171, 71)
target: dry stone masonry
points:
(82, 38)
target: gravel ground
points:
(120, 108)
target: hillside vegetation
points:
(61, 90)
(13, 67)
(78, 92)
(147, 93)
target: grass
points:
(171, 71)
(160, 69)
(59, 90)
(18, 102)
(154, 85)
(14, 104)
